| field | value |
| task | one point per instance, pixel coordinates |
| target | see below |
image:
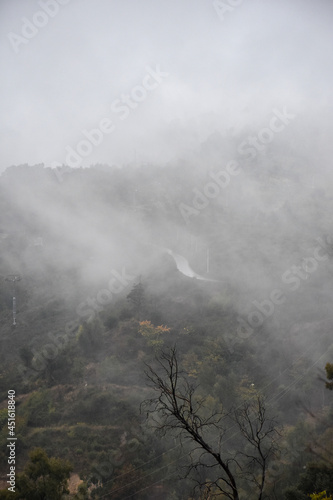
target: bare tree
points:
(260, 433)
(212, 433)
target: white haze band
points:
(277, 297)
(122, 107)
(211, 190)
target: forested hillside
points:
(103, 258)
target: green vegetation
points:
(79, 378)
(329, 374)
(43, 478)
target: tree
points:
(43, 478)
(26, 355)
(153, 333)
(259, 432)
(177, 407)
(320, 496)
(90, 336)
(329, 375)
(316, 478)
(137, 296)
(82, 492)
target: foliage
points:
(82, 492)
(121, 487)
(8, 495)
(90, 336)
(111, 321)
(37, 409)
(320, 496)
(92, 406)
(3, 418)
(95, 380)
(137, 296)
(43, 478)
(153, 333)
(317, 477)
(329, 374)
(26, 355)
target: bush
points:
(111, 322)
(37, 409)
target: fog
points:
(178, 144)
(224, 72)
(249, 85)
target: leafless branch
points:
(177, 407)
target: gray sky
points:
(223, 71)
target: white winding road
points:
(184, 267)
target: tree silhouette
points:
(177, 407)
(137, 296)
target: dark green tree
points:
(137, 296)
(7, 495)
(26, 355)
(43, 478)
(329, 375)
(315, 479)
(90, 336)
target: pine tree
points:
(137, 296)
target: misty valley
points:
(158, 347)
(166, 250)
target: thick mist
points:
(184, 147)
(253, 223)
(217, 70)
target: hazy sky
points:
(71, 72)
